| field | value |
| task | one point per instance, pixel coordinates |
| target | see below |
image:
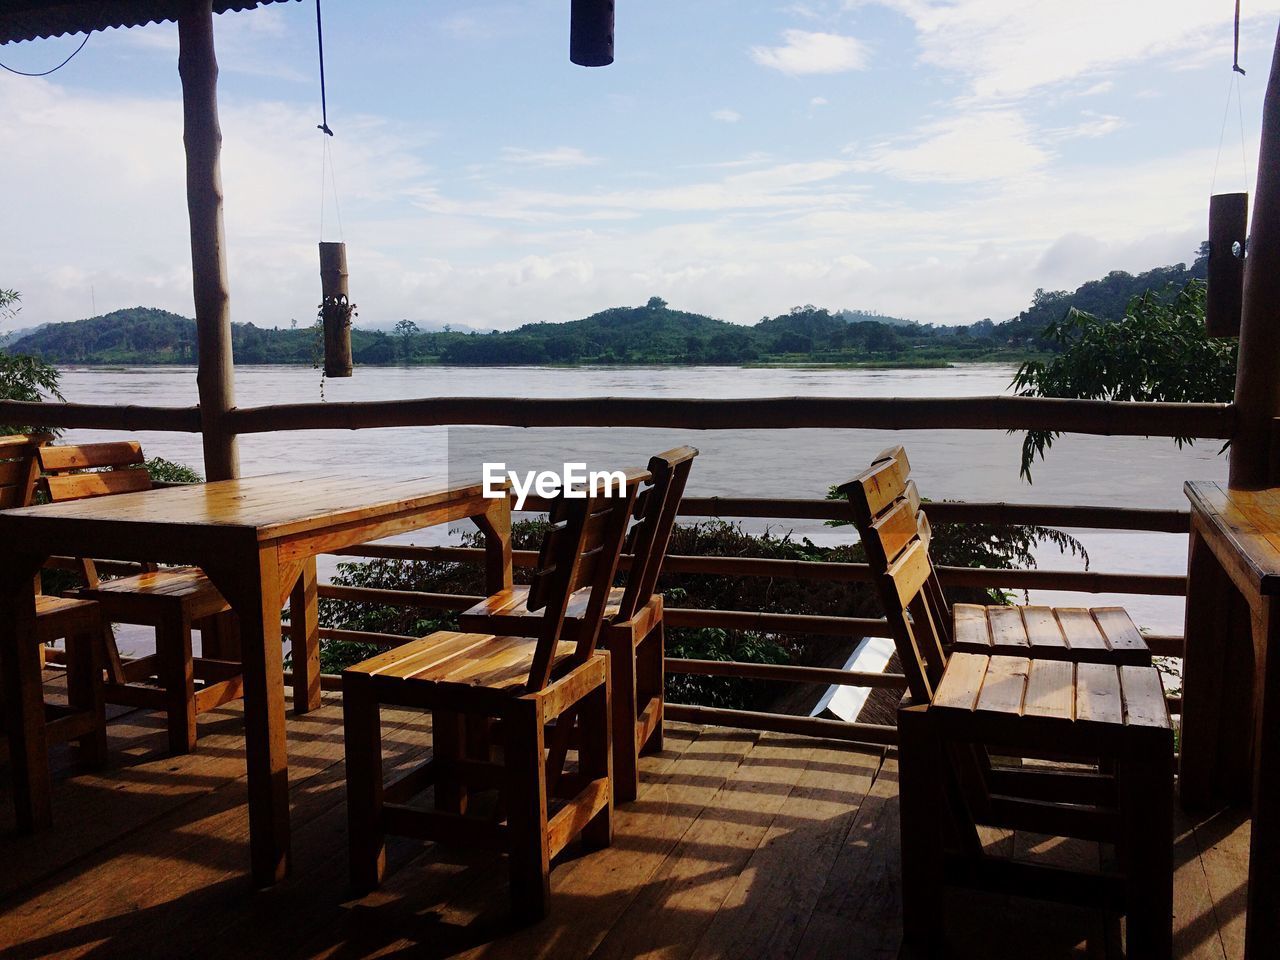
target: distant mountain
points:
(654, 334)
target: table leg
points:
(23, 693)
(1211, 598)
(495, 524)
(304, 639)
(250, 582)
(1262, 925)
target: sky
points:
(938, 160)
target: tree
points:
(23, 377)
(656, 303)
(1158, 352)
(405, 331)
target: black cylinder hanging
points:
(1228, 230)
(335, 310)
(591, 33)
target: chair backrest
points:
(895, 532)
(19, 468)
(650, 535)
(116, 468)
(579, 550)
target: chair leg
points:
(448, 746)
(596, 757)
(622, 670)
(362, 740)
(652, 665)
(526, 795)
(85, 693)
(921, 799)
(1146, 811)
(177, 676)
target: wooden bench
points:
(173, 600)
(526, 684)
(633, 632)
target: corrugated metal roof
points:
(36, 19)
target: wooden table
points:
(1231, 683)
(256, 539)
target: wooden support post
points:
(202, 138)
(335, 309)
(1258, 377)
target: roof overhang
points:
(38, 19)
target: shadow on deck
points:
(740, 845)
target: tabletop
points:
(273, 506)
(1248, 521)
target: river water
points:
(947, 464)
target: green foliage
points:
(23, 377)
(1158, 351)
(166, 471)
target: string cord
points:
(324, 107)
(45, 73)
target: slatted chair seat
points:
(509, 609)
(1077, 634)
(173, 600)
(464, 660)
(633, 632)
(539, 689)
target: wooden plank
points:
(1079, 628)
(970, 625)
(910, 572)
(1098, 698)
(1004, 686)
(62, 456)
(893, 531)
(1051, 690)
(1143, 694)
(768, 909)
(962, 682)
(1042, 628)
(1118, 628)
(1007, 630)
(670, 914)
(80, 486)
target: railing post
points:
(202, 138)
(1257, 397)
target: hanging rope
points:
(324, 109)
(1235, 63)
(45, 73)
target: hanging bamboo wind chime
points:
(1228, 237)
(591, 33)
(336, 309)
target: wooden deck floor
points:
(741, 845)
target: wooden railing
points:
(1212, 421)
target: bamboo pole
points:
(202, 138)
(1099, 417)
(335, 309)
(1257, 397)
(101, 416)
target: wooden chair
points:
(468, 681)
(1108, 718)
(173, 600)
(633, 632)
(885, 507)
(77, 622)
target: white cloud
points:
(1009, 48)
(726, 116)
(818, 101)
(805, 52)
(558, 157)
(979, 145)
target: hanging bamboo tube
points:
(335, 310)
(591, 33)
(1228, 229)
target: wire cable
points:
(45, 73)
